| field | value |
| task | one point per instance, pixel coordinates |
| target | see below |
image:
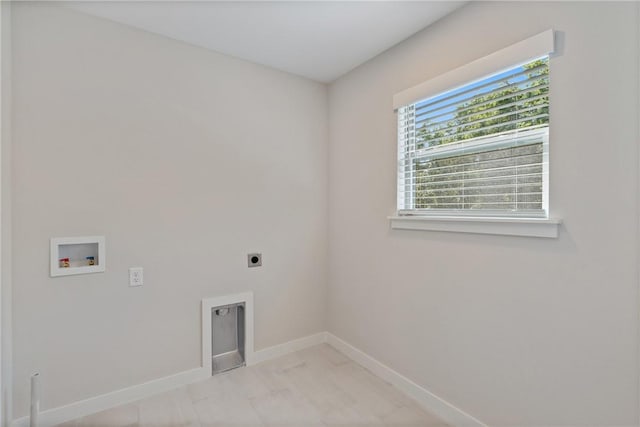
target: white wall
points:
(5, 213)
(515, 331)
(159, 145)
(186, 160)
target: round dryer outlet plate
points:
(254, 260)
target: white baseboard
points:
(432, 403)
(429, 401)
(54, 416)
(286, 348)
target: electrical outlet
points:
(254, 260)
(136, 276)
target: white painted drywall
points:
(513, 330)
(186, 160)
(5, 214)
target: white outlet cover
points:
(136, 276)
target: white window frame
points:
(483, 222)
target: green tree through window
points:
(507, 177)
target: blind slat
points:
(454, 128)
(489, 169)
(474, 92)
(520, 101)
(478, 197)
(476, 180)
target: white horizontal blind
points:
(480, 149)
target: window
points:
(475, 142)
(481, 148)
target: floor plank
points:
(317, 386)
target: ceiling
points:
(319, 40)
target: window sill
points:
(531, 227)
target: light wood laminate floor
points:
(313, 387)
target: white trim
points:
(638, 176)
(288, 347)
(432, 403)
(529, 227)
(2, 249)
(207, 305)
(6, 330)
(518, 53)
(54, 416)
